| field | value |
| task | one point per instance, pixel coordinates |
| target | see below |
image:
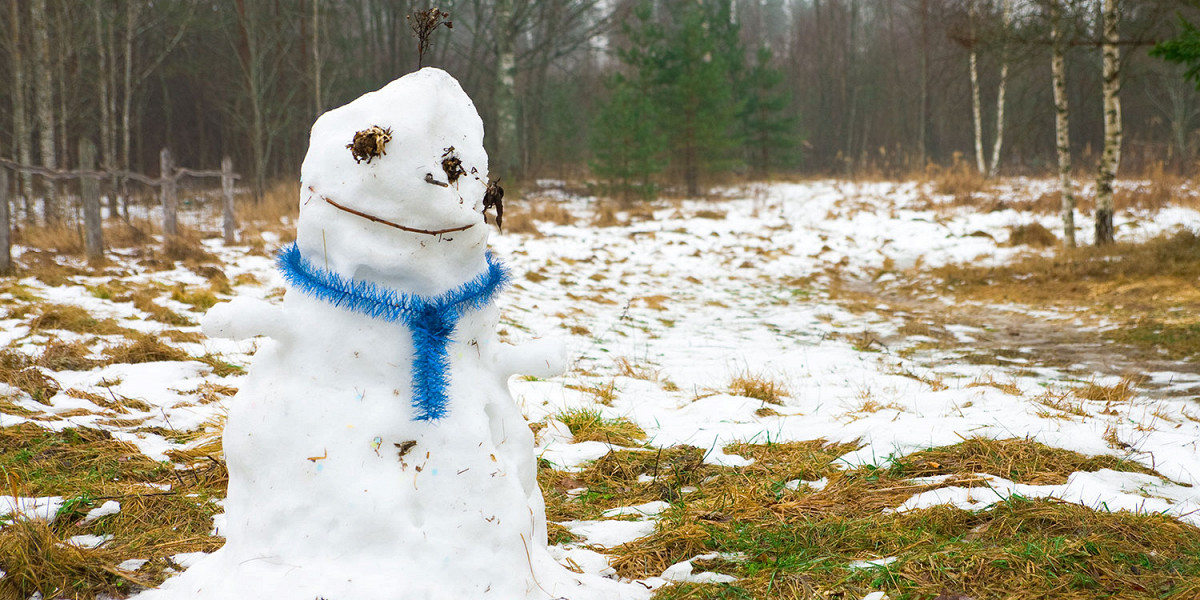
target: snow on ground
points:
(706, 290)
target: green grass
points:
(801, 543)
(1177, 341)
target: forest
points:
(635, 95)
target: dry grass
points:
(36, 558)
(68, 317)
(633, 370)
(89, 467)
(802, 542)
(759, 386)
(1008, 387)
(960, 179)
(1019, 460)
(527, 215)
(589, 425)
(1117, 393)
(1033, 234)
(144, 348)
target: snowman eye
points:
(452, 165)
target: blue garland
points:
(431, 320)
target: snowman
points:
(374, 450)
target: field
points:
(819, 389)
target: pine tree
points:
(697, 61)
(1184, 49)
(770, 133)
(626, 144)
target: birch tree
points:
(1001, 87)
(44, 90)
(21, 130)
(976, 108)
(1110, 18)
(1062, 138)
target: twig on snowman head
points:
(433, 232)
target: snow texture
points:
(339, 487)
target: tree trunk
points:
(127, 103)
(505, 161)
(104, 77)
(5, 226)
(21, 131)
(1001, 88)
(923, 117)
(976, 112)
(1062, 136)
(976, 105)
(93, 235)
(316, 58)
(44, 89)
(1111, 159)
(228, 223)
(167, 195)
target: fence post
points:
(93, 234)
(5, 226)
(167, 174)
(229, 224)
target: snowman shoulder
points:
(546, 357)
(243, 318)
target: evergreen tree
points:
(694, 71)
(1183, 48)
(626, 144)
(770, 133)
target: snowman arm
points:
(540, 358)
(243, 318)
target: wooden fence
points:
(90, 177)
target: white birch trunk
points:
(506, 93)
(1062, 138)
(1111, 159)
(44, 90)
(1001, 88)
(977, 113)
(976, 108)
(21, 130)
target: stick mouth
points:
(381, 221)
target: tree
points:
(1184, 49)
(626, 145)
(1110, 19)
(44, 90)
(1062, 137)
(685, 65)
(769, 131)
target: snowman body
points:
(344, 483)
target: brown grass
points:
(758, 386)
(1113, 394)
(527, 215)
(144, 348)
(36, 558)
(1033, 234)
(68, 317)
(1019, 460)
(960, 179)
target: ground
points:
(814, 389)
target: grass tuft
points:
(67, 317)
(758, 386)
(36, 559)
(144, 348)
(589, 425)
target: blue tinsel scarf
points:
(431, 320)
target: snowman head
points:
(392, 187)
